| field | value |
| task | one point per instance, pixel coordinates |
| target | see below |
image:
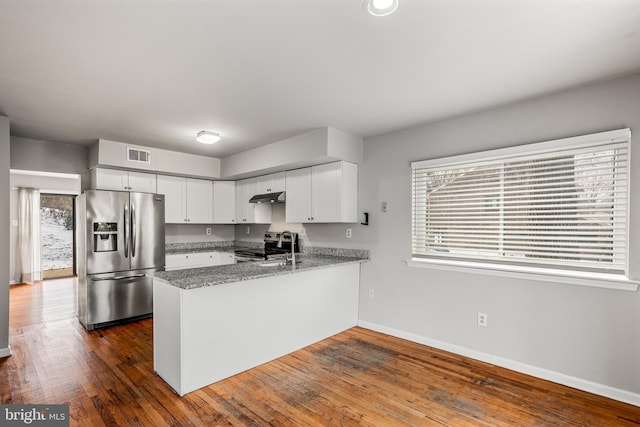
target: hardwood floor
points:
(358, 377)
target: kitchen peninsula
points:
(214, 322)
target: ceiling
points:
(155, 73)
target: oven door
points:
(246, 256)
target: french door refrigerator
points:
(120, 242)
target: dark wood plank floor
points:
(358, 377)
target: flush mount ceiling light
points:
(206, 137)
(380, 7)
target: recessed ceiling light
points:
(206, 137)
(380, 7)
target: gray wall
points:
(591, 334)
(46, 156)
(4, 233)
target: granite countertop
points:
(210, 276)
(224, 246)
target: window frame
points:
(540, 271)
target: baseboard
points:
(545, 374)
(5, 352)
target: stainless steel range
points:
(275, 244)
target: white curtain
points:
(29, 253)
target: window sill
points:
(597, 280)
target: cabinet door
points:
(196, 260)
(245, 211)
(271, 183)
(142, 182)
(174, 262)
(224, 202)
(199, 201)
(325, 192)
(277, 182)
(298, 205)
(175, 198)
(110, 179)
(349, 192)
(263, 184)
(222, 258)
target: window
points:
(559, 204)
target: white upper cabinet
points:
(119, 180)
(142, 182)
(186, 200)
(224, 202)
(298, 204)
(245, 188)
(323, 193)
(174, 189)
(199, 201)
(271, 183)
(250, 213)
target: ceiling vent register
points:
(139, 156)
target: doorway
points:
(57, 235)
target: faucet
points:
(293, 246)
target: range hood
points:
(277, 197)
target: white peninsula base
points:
(206, 334)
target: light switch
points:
(383, 207)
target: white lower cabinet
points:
(197, 259)
(324, 193)
(186, 200)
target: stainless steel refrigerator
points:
(120, 241)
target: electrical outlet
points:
(348, 233)
(248, 230)
(372, 292)
(482, 319)
(208, 231)
(302, 231)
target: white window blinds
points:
(561, 204)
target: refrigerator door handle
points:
(133, 230)
(135, 276)
(126, 230)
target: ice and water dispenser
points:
(105, 236)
